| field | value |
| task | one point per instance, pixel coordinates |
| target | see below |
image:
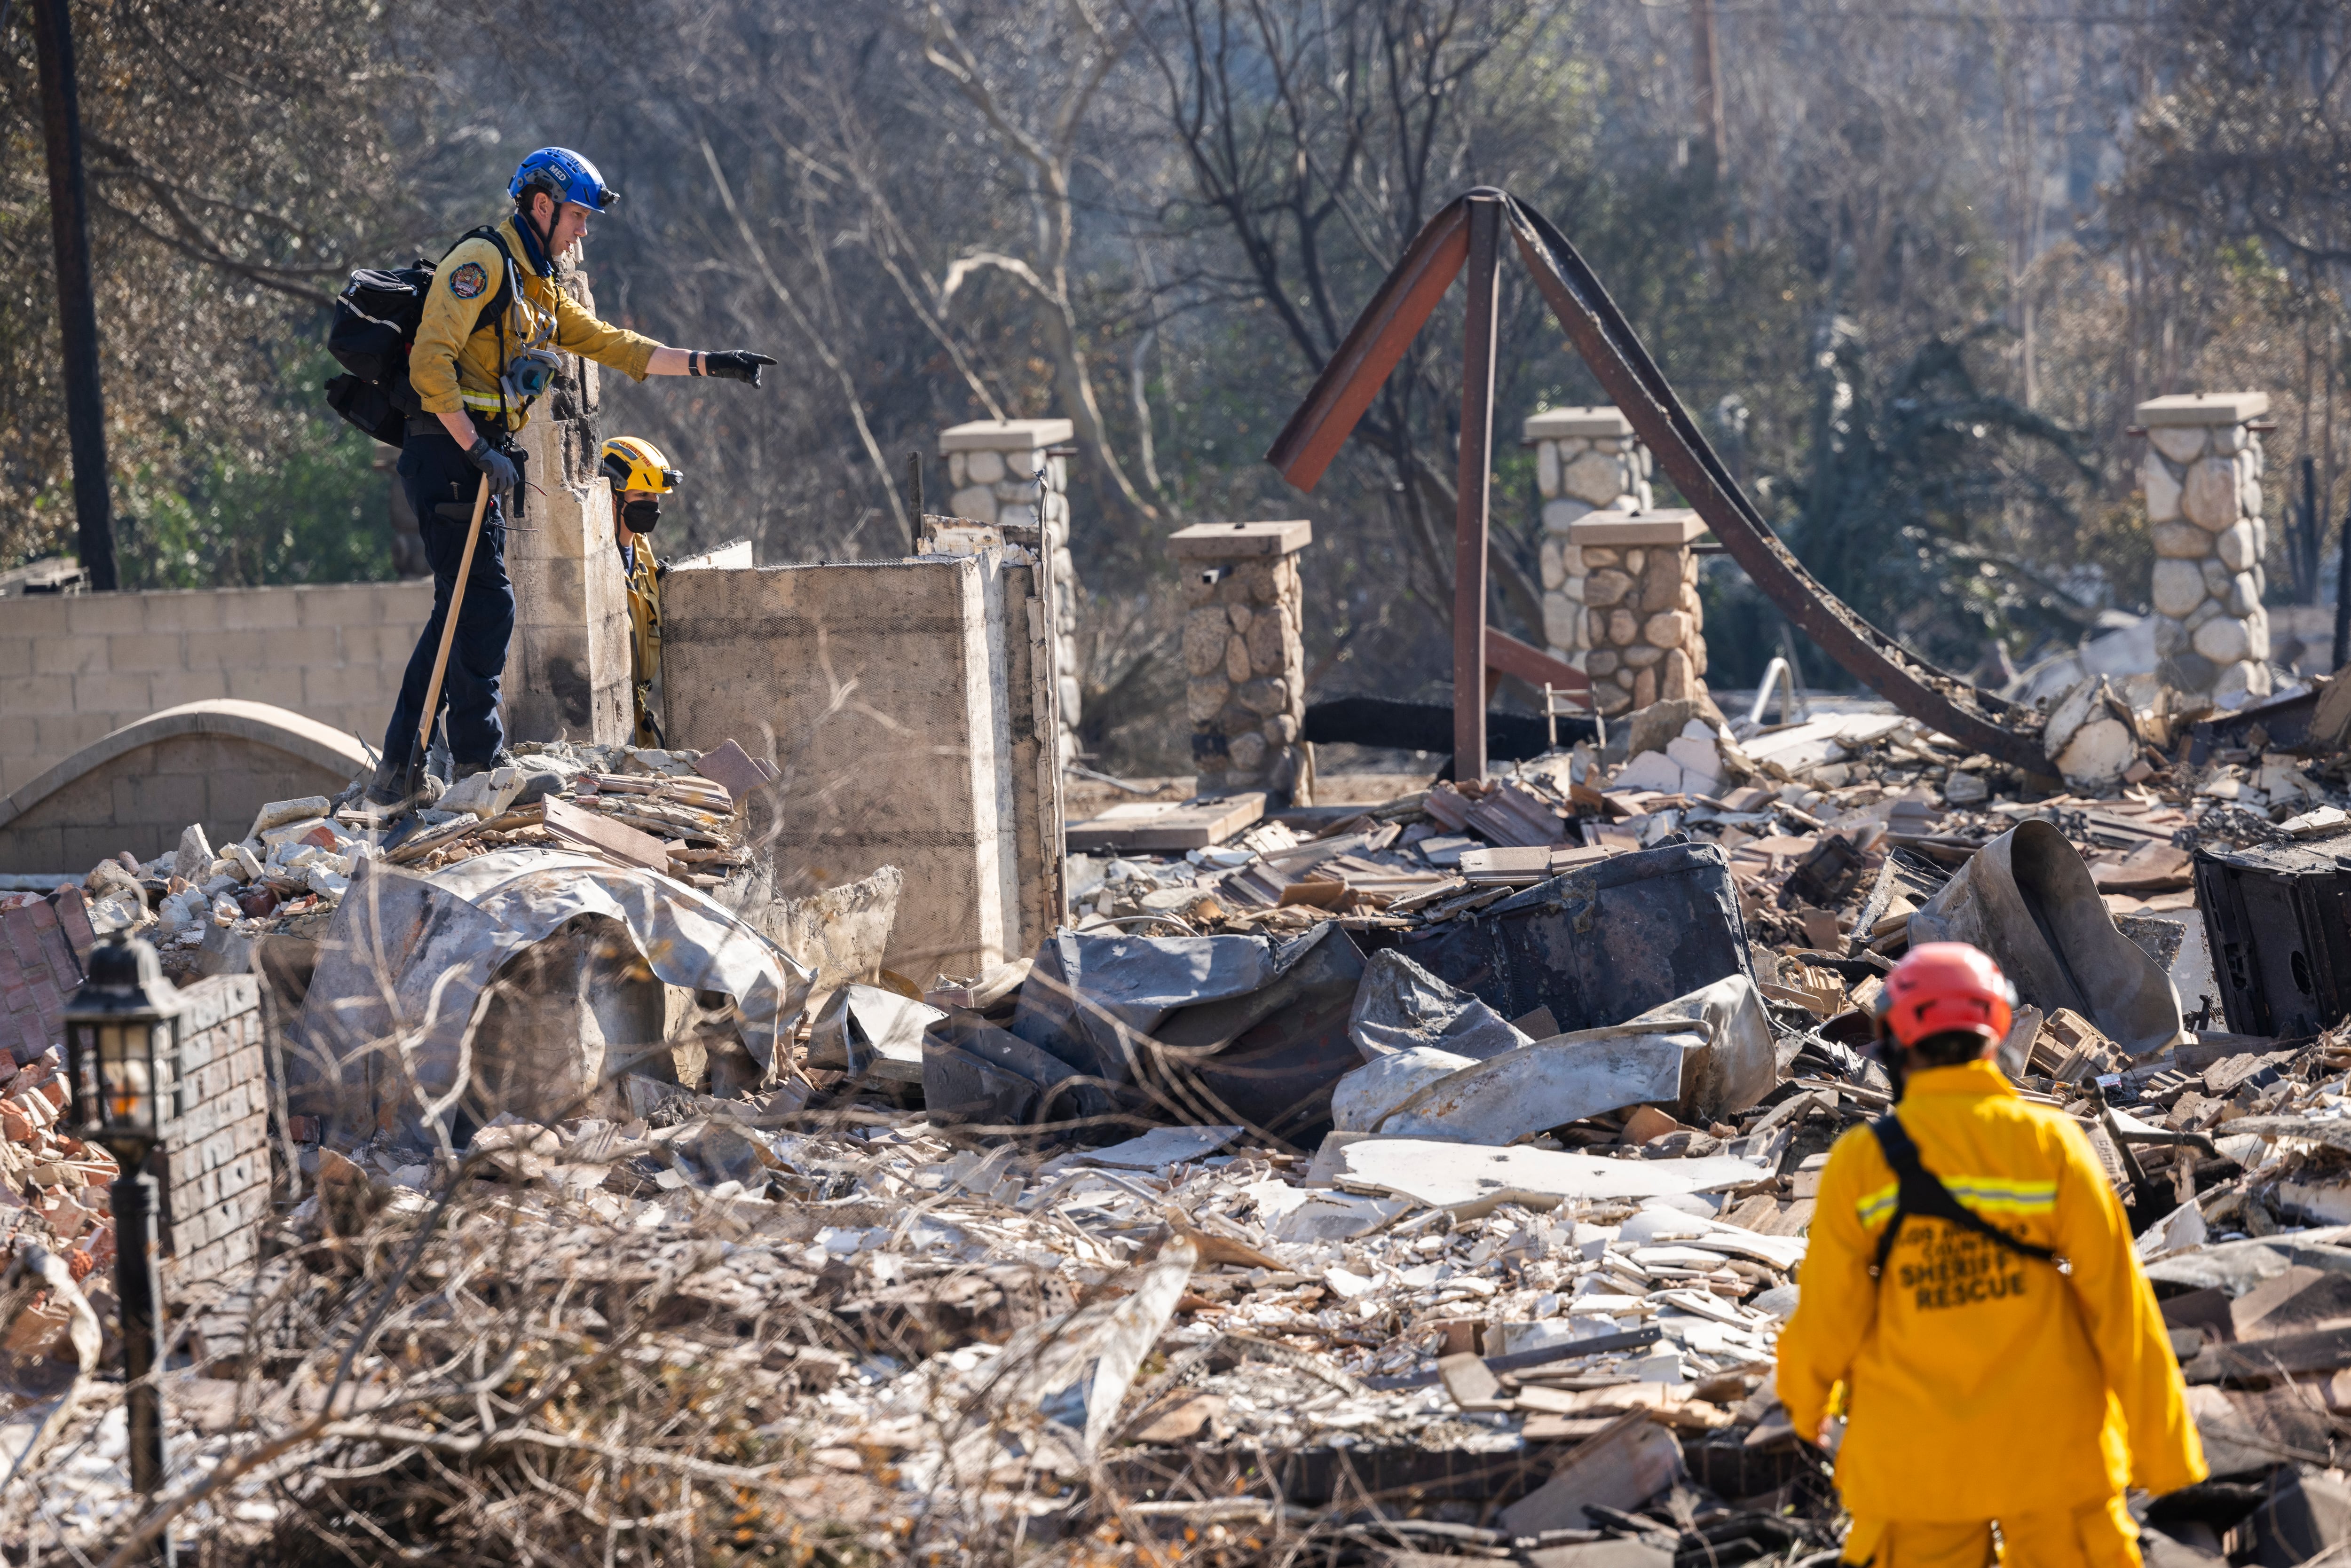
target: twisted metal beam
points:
(1975, 718)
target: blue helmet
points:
(565, 176)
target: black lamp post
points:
(123, 1059)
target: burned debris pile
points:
(1426, 1177)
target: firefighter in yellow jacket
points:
(495, 320)
(1971, 1301)
(641, 477)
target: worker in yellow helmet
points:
(641, 477)
(1971, 1302)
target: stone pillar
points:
(2202, 475)
(1586, 461)
(568, 666)
(1246, 696)
(1644, 636)
(992, 464)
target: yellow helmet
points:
(633, 463)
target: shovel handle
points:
(449, 625)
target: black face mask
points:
(641, 515)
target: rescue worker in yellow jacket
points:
(641, 477)
(495, 320)
(1971, 1302)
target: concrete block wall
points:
(902, 701)
(142, 799)
(216, 1149)
(77, 668)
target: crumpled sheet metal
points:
(1600, 944)
(1547, 1084)
(2027, 899)
(1061, 1381)
(1739, 1065)
(1719, 1062)
(1402, 1006)
(382, 1044)
(1206, 1029)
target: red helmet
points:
(1946, 988)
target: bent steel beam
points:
(1632, 378)
(1373, 346)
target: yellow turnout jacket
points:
(643, 575)
(455, 366)
(1981, 1382)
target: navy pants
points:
(441, 486)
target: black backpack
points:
(376, 319)
(1918, 1190)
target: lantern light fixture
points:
(122, 1051)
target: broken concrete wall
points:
(567, 669)
(840, 933)
(79, 667)
(887, 693)
(1038, 727)
(992, 464)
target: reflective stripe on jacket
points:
(455, 365)
(1980, 1383)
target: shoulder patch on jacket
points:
(468, 281)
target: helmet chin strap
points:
(545, 237)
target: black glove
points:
(494, 463)
(735, 364)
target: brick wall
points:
(45, 946)
(74, 668)
(217, 1150)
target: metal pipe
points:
(1474, 471)
(2343, 597)
(76, 302)
(1786, 675)
(138, 1283)
(914, 515)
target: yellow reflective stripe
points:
(488, 401)
(1984, 1195)
(1990, 1195)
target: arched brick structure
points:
(215, 762)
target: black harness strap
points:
(1918, 1192)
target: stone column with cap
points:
(2202, 477)
(1586, 461)
(1247, 693)
(1644, 636)
(992, 464)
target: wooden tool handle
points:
(449, 625)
